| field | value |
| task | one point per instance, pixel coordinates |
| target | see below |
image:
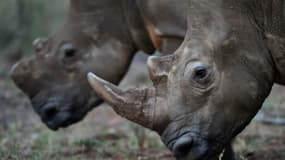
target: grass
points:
(17, 143)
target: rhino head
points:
(55, 77)
(200, 101)
(204, 94)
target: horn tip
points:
(91, 75)
(92, 78)
(97, 82)
(151, 59)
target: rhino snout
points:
(183, 146)
(190, 146)
(49, 111)
(53, 116)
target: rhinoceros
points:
(210, 89)
(98, 36)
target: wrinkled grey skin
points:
(214, 84)
(98, 36)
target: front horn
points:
(136, 105)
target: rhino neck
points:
(119, 19)
(101, 20)
(135, 23)
(270, 18)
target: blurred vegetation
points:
(24, 20)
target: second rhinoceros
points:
(98, 36)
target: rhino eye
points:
(200, 73)
(69, 53)
(68, 50)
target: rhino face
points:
(55, 78)
(208, 102)
(201, 99)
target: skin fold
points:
(209, 90)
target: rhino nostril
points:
(182, 147)
(50, 111)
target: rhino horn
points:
(39, 43)
(135, 105)
(159, 67)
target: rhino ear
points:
(159, 67)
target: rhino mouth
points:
(61, 120)
(62, 111)
(68, 116)
(55, 115)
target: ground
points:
(104, 135)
